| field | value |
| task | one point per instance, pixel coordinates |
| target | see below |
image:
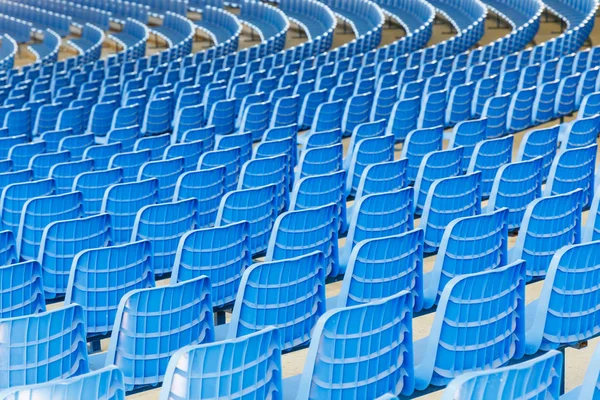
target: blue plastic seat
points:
(367, 152)
(222, 253)
(100, 277)
(256, 119)
(76, 145)
(53, 138)
(122, 202)
(125, 116)
(156, 145)
(541, 375)
(14, 197)
(435, 165)
(377, 215)
(243, 141)
(207, 186)
(101, 118)
(567, 95)
(22, 291)
(515, 186)
(488, 156)
(257, 206)
(540, 143)
(106, 383)
(438, 212)
(166, 172)
(320, 161)
(72, 118)
(433, 110)
(579, 133)
(21, 154)
(60, 243)
(469, 245)
(191, 369)
(144, 338)
(222, 116)
(565, 312)
(40, 164)
(130, 163)
(300, 232)
(496, 111)
(127, 136)
(468, 304)
(286, 111)
(265, 298)
(190, 152)
(520, 110)
(417, 144)
(61, 335)
(64, 174)
(549, 224)
(573, 169)
(404, 117)
(468, 134)
(101, 154)
(92, 186)
(357, 111)
(590, 105)
(545, 100)
(158, 115)
(380, 335)
(268, 171)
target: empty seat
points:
(222, 253)
(191, 369)
(268, 171)
(21, 288)
(469, 245)
(468, 134)
(60, 332)
(130, 163)
(92, 186)
(190, 152)
(367, 152)
(100, 277)
(60, 243)
(380, 335)
(229, 158)
(101, 154)
(540, 143)
(64, 174)
(320, 160)
(488, 156)
(549, 224)
(15, 196)
(418, 143)
(21, 154)
(163, 225)
(41, 163)
(166, 173)
(122, 201)
(156, 145)
(469, 304)
(143, 337)
(264, 294)
(257, 206)
(541, 374)
(208, 187)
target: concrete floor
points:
(576, 360)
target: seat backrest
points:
(229, 158)
(92, 186)
(368, 151)
(258, 206)
(320, 161)
(38, 213)
(156, 145)
(40, 164)
(549, 224)
(515, 186)
(491, 303)
(14, 197)
(288, 294)
(130, 163)
(581, 132)
(573, 169)
(380, 335)
(515, 381)
(488, 156)
(438, 212)
(21, 154)
(105, 383)
(101, 154)
(469, 245)
(418, 143)
(301, 232)
(383, 177)
(60, 243)
(268, 171)
(166, 172)
(122, 201)
(190, 152)
(21, 285)
(190, 369)
(436, 165)
(384, 266)
(404, 117)
(54, 335)
(468, 134)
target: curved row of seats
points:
(90, 43)
(223, 27)
(178, 32)
(160, 7)
(46, 52)
(132, 38)
(19, 30)
(413, 15)
(81, 14)
(39, 18)
(120, 10)
(316, 19)
(269, 22)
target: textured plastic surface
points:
(549, 223)
(42, 347)
(92, 186)
(144, 338)
(130, 163)
(540, 143)
(268, 171)
(14, 198)
(418, 143)
(257, 206)
(100, 277)
(122, 202)
(248, 367)
(229, 158)
(320, 161)
(536, 378)
(367, 152)
(208, 187)
(359, 352)
(64, 174)
(21, 289)
(166, 173)
(468, 332)
(265, 298)
(488, 156)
